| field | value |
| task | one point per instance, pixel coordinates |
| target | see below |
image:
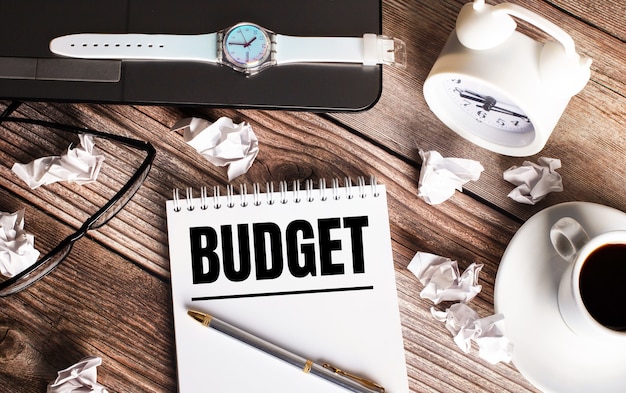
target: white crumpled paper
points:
(222, 143)
(440, 177)
(78, 378)
(17, 248)
(534, 181)
(488, 333)
(442, 280)
(80, 165)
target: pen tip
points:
(201, 317)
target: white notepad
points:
(309, 270)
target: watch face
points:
(486, 106)
(246, 45)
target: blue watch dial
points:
(246, 45)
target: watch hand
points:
(244, 38)
(248, 44)
(238, 43)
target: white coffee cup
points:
(592, 290)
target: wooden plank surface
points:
(111, 297)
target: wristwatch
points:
(245, 47)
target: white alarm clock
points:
(499, 88)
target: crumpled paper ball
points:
(442, 280)
(80, 165)
(440, 177)
(222, 143)
(17, 248)
(534, 181)
(488, 333)
(78, 378)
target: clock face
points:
(486, 106)
(246, 45)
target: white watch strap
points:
(370, 49)
(202, 47)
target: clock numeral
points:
(501, 122)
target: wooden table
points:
(111, 296)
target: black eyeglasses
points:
(52, 259)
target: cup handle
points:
(568, 237)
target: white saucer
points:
(546, 351)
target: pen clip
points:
(365, 382)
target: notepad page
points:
(314, 277)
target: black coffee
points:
(603, 285)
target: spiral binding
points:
(284, 195)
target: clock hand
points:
(489, 103)
(506, 112)
(470, 95)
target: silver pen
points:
(330, 373)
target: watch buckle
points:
(380, 49)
